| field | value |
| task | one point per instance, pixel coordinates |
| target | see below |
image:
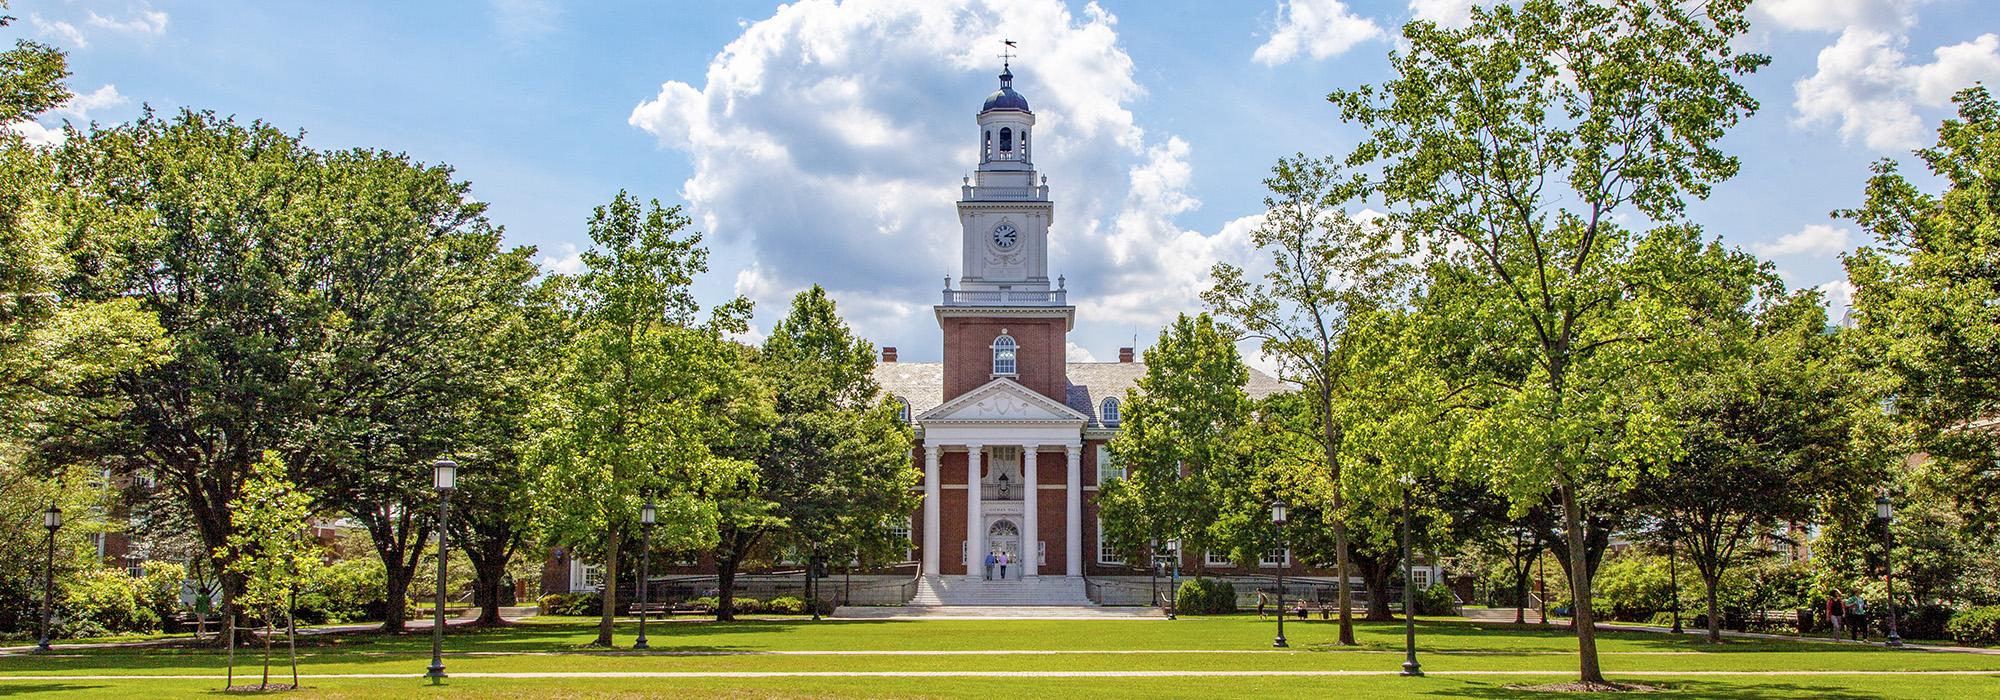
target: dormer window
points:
(1108, 411)
(903, 410)
(1004, 349)
(1006, 139)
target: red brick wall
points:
(968, 354)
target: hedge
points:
(1202, 596)
(1976, 625)
(579, 604)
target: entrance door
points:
(1005, 538)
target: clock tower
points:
(1004, 297)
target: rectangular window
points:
(1214, 559)
(1421, 577)
(1108, 470)
(901, 533)
(585, 577)
(1276, 557)
(962, 546)
(1041, 553)
(1105, 553)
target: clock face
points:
(1005, 237)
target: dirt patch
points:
(1583, 687)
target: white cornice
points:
(1067, 313)
(1007, 391)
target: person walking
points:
(1262, 600)
(1857, 617)
(1835, 610)
(990, 559)
(1003, 566)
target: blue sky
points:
(822, 142)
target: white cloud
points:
(568, 260)
(828, 141)
(78, 110)
(1838, 296)
(1321, 28)
(58, 30)
(1078, 353)
(1865, 84)
(141, 20)
(1839, 15)
(1454, 14)
(1814, 239)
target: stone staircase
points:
(1045, 591)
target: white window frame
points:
(581, 576)
(908, 530)
(1107, 468)
(903, 410)
(1272, 562)
(1105, 556)
(1421, 577)
(1214, 559)
(1041, 553)
(1005, 346)
(1108, 411)
(963, 546)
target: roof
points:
(922, 384)
(1005, 97)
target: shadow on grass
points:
(1699, 689)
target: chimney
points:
(1124, 354)
(888, 353)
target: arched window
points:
(1024, 144)
(1003, 355)
(986, 147)
(902, 409)
(1108, 413)
(1006, 139)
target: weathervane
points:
(1007, 54)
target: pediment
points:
(1002, 400)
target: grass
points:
(1200, 645)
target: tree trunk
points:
(1521, 588)
(396, 601)
(609, 613)
(489, 581)
(1586, 630)
(1375, 574)
(725, 584)
(1714, 620)
(1340, 561)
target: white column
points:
(975, 534)
(1030, 563)
(1073, 489)
(932, 496)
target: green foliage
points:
(786, 605)
(575, 604)
(271, 548)
(747, 605)
(1178, 441)
(1205, 596)
(707, 603)
(1979, 625)
(107, 601)
(348, 590)
(1927, 300)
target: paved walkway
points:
(996, 612)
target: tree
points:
(272, 549)
(414, 291)
(644, 397)
(1178, 440)
(1768, 436)
(1927, 301)
(1326, 269)
(833, 462)
(1510, 145)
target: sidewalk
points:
(465, 618)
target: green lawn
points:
(1208, 645)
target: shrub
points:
(785, 605)
(347, 590)
(1922, 622)
(1203, 596)
(582, 603)
(159, 590)
(745, 605)
(705, 603)
(107, 601)
(1979, 625)
(1436, 600)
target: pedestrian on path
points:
(1835, 610)
(1263, 599)
(1003, 566)
(1857, 617)
(990, 560)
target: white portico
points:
(1004, 430)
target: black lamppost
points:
(1278, 518)
(51, 519)
(647, 516)
(816, 570)
(1884, 513)
(1410, 665)
(1673, 572)
(1541, 587)
(1521, 584)
(1174, 579)
(444, 476)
